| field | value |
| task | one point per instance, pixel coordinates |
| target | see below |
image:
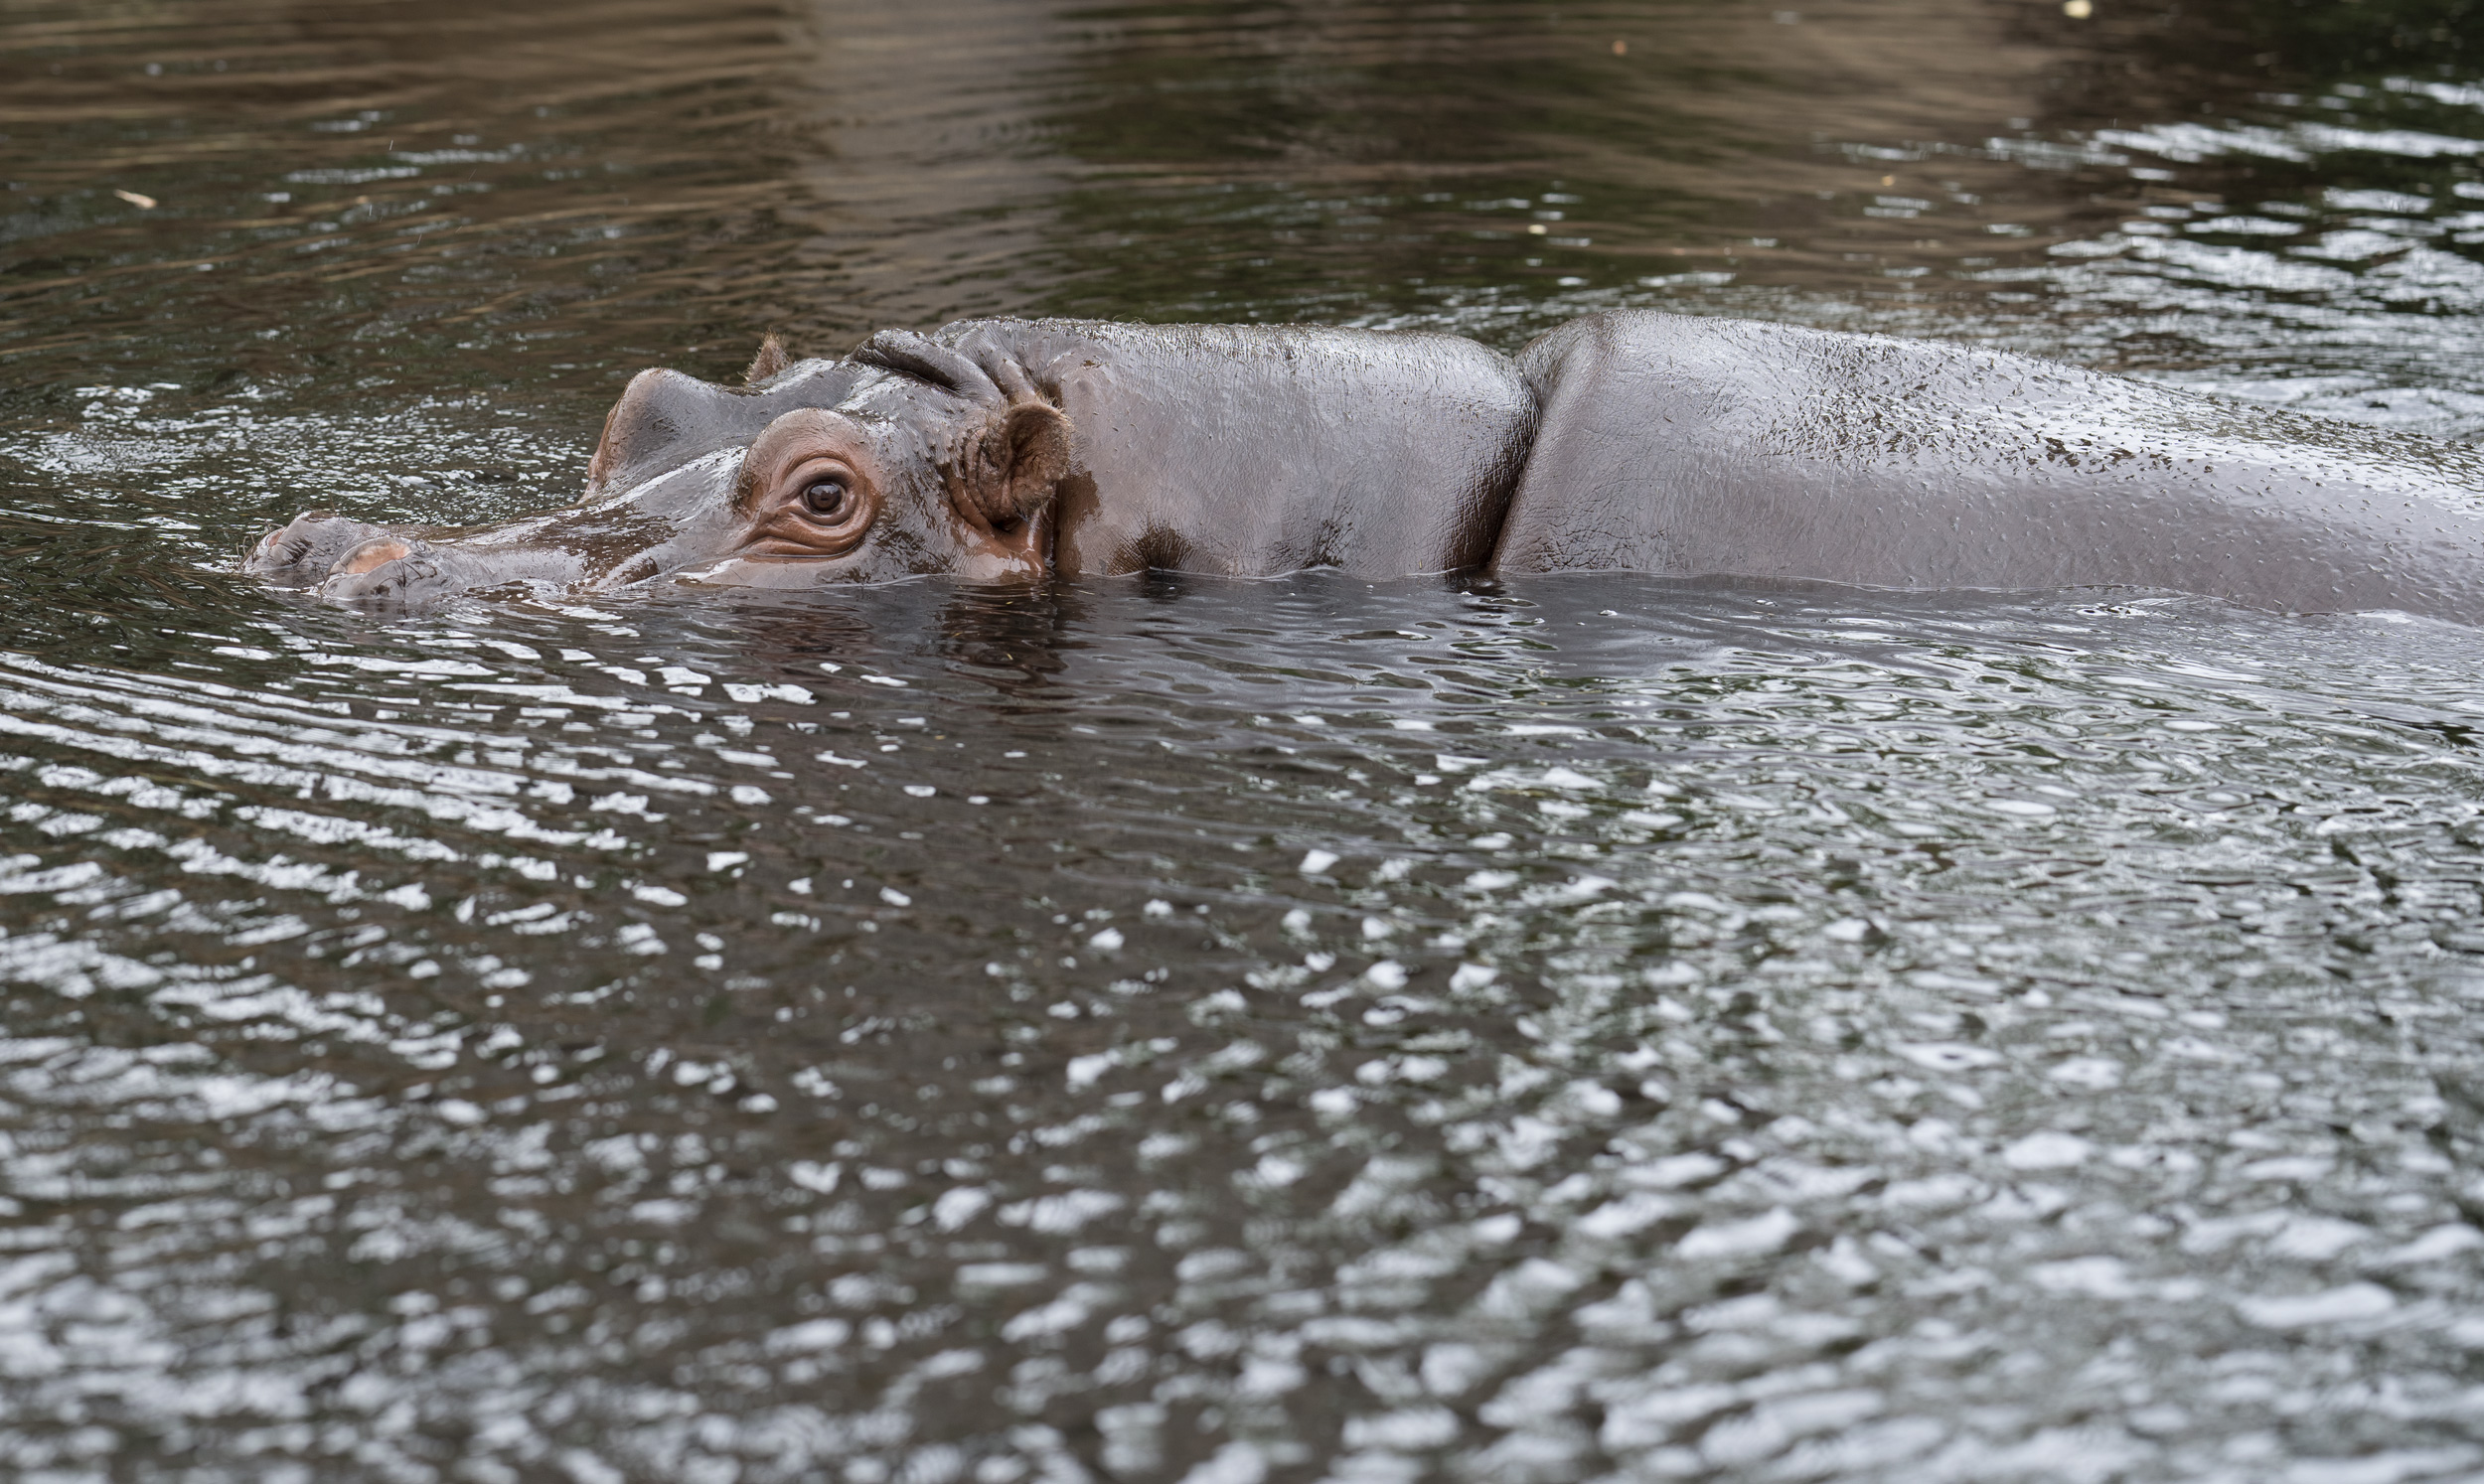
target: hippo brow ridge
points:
(1626, 441)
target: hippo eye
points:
(815, 503)
(828, 497)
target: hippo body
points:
(1696, 446)
(1005, 449)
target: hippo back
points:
(1700, 446)
(1251, 450)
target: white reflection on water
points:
(1827, 1035)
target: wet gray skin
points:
(1000, 450)
(1694, 446)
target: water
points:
(1589, 1028)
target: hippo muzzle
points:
(597, 544)
(352, 561)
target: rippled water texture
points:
(1171, 1029)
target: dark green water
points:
(1167, 1029)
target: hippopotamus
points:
(1004, 450)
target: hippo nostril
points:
(378, 551)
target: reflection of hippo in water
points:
(1000, 449)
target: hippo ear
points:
(1013, 465)
(1025, 458)
(770, 360)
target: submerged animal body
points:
(1000, 450)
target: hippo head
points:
(906, 456)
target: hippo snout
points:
(353, 561)
(303, 551)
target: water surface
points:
(1589, 1028)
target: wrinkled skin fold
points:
(1004, 450)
